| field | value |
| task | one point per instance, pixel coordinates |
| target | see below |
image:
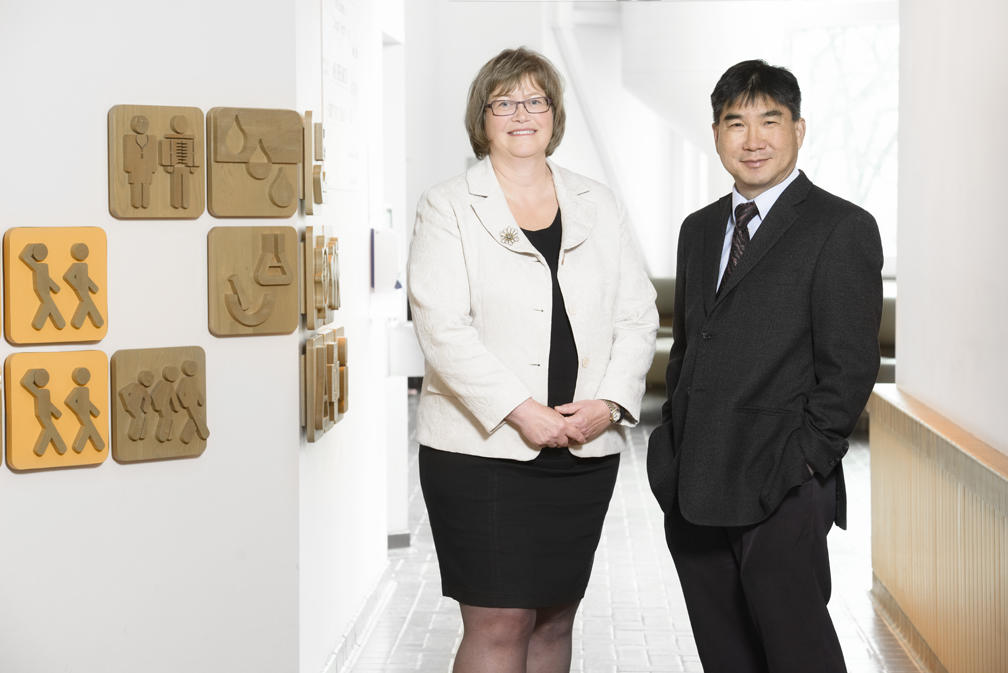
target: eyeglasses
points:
(506, 108)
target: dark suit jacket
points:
(770, 374)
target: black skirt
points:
(516, 534)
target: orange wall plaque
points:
(55, 285)
(57, 409)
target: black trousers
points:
(756, 595)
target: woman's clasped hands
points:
(565, 425)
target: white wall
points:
(952, 315)
(256, 556)
(447, 42)
(342, 496)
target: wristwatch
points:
(615, 411)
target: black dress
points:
(521, 534)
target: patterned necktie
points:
(744, 212)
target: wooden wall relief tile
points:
(317, 189)
(313, 174)
(155, 158)
(319, 142)
(323, 374)
(321, 278)
(57, 409)
(159, 403)
(252, 280)
(333, 301)
(55, 284)
(307, 163)
(254, 157)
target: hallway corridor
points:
(633, 619)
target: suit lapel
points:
(491, 208)
(714, 233)
(780, 218)
(578, 213)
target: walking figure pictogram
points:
(33, 255)
(136, 399)
(192, 401)
(35, 382)
(83, 286)
(165, 401)
(79, 402)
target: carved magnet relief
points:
(254, 159)
(57, 409)
(155, 162)
(321, 278)
(159, 403)
(252, 280)
(324, 376)
(55, 284)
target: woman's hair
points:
(502, 73)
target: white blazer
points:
(481, 297)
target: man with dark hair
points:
(777, 306)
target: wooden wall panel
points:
(939, 535)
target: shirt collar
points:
(764, 202)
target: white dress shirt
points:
(764, 202)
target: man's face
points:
(758, 144)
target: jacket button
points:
(584, 362)
(706, 336)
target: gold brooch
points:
(509, 236)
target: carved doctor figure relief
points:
(155, 157)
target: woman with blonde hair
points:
(537, 323)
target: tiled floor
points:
(633, 618)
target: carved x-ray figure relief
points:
(179, 158)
